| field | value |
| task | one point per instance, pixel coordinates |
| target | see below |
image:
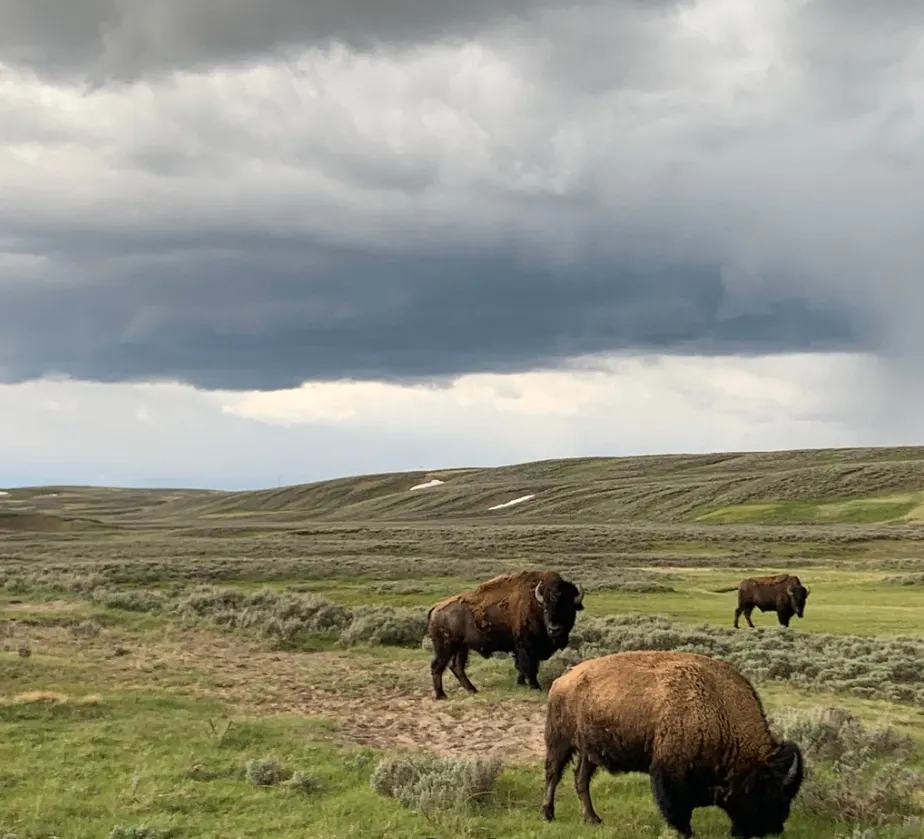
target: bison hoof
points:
(548, 813)
(592, 818)
(440, 695)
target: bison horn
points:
(538, 595)
(580, 595)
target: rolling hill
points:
(825, 486)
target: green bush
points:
(140, 832)
(905, 580)
(266, 772)
(282, 617)
(431, 784)
(854, 774)
(130, 600)
(386, 626)
(877, 667)
(831, 733)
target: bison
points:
(694, 724)
(528, 613)
(783, 594)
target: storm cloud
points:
(124, 39)
(249, 196)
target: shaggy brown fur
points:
(509, 594)
(782, 593)
(693, 723)
(503, 614)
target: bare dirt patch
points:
(374, 702)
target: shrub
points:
(559, 664)
(909, 828)
(854, 791)
(865, 784)
(88, 628)
(279, 616)
(299, 782)
(130, 600)
(883, 667)
(386, 626)
(906, 580)
(266, 772)
(831, 733)
(431, 784)
(408, 587)
(140, 832)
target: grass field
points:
(178, 663)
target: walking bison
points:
(527, 613)
(783, 594)
(694, 724)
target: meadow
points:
(196, 663)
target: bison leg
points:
(557, 755)
(582, 775)
(521, 661)
(437, 666)
(747, 616)
(673, 800)
(459, 660)
(527, 668)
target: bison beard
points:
(528, 613)
(693, 724)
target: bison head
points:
(560, 602)
(798, 594)
(762, 810)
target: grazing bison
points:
(694, 724)
(783, 594)
(528, 613)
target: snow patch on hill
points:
(512, 503)
(427, 485)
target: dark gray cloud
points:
(275, 316)
(124, 39)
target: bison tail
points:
(724, 590)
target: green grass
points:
(877, 510)
(80, 769)
(840, 601)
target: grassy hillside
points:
(827, 486)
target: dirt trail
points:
(374, 702)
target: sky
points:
(248, 244)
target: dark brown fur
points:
(691, 722)
(783, 594)
(503, 615)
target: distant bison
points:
(783, 594)
(528, 613)
(694, 724)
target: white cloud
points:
(76, 432)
